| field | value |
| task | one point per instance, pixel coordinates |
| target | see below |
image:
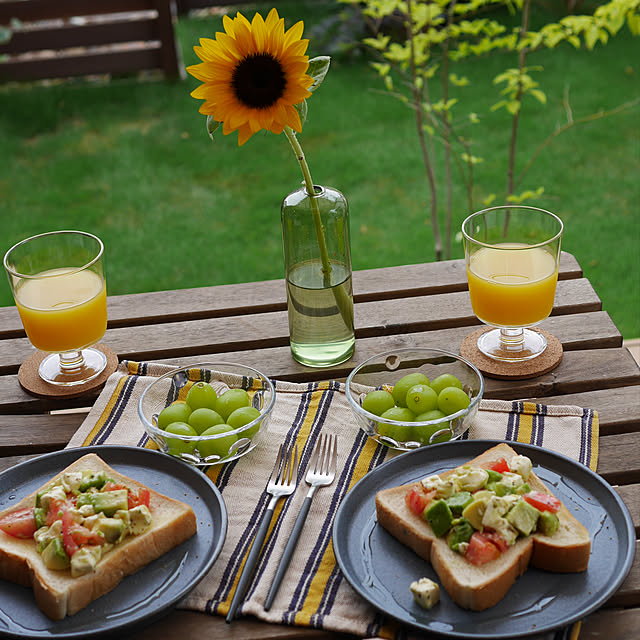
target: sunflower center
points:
(259, 81)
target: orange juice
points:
(63, 311)
(512, 288)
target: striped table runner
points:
(314, 592)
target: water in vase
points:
(320, 334)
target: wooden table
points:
(422, 305)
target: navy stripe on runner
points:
(512, 422)
(585, 436)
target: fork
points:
(282, 482)
(321, 472)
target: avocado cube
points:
(523, 517)
(548, 523)
(107, 502)
(91, 479)
(54, 556)
(458, 501)
(494, 476)
(112, 529)
(439, 517)
(474, 512)
(460, 532)
(40, 516)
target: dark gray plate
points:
(381, 569)
(152, 591)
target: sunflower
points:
(253, 74)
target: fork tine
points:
(294, 469)
(326, 452)
(313, 462)
(289, 472)
(334, 461)
(278, 465)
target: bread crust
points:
(56, 593)
(480, 587)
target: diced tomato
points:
(81, 535)
(56, 509)
(143, 497)
(417, 499)
(500, 465)
(112, 486)
(70, 545)
(496, 538)
(542, 501)
(481, 550)
(19, 524)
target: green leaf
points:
(540, 96)
(513, 107)
(458, 81)
(318, 68)
(212, 126)
(302, 110)
(382, 68)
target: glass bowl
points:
(385, 369)
(205, 450)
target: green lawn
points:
(131, 162)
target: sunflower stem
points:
(315, 209)
(344, 303)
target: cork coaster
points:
(548, 360)
(30, 380)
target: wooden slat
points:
(271, 329)
(270, 295)
(619, 458)
(26, 435)
(579, 372)
(80, 65)
(630, 495)
(36, 10)
(89, 35)
(618, 409)
(612, 624)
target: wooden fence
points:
(65, 38)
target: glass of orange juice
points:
(59, 289)
(512, 254)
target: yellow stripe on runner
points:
(525, 423)
(595, 434)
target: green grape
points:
(452, 400)
(218, 446)
(202, 395)
(242, 416)
(378, 401)
(445, 380)
(177, 446)
(203, 418)
(405, 383)
(421, 398)
(399, 432)
(177, 411)
(231, 400)
(424, 432)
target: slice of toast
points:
(480, 587)
(57, 593)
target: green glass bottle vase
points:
(317, 257)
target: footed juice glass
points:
(59, 289)
(512, 254)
